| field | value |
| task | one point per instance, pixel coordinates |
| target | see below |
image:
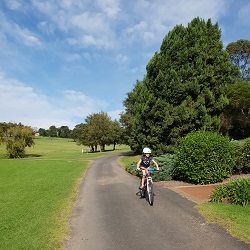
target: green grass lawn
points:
(234, 218)
(37, 193)
(60, 148)
(127, 159)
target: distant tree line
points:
(53, 131)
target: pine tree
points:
(184, 88)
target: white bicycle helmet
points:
(146, 151)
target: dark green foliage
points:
(127, 118)
(166, 163)
(165, 173)
(204, 157)
(53, 131)
(98, 129)
(236, 115)
(131, 168)
(243, 158)
(235, 192)
(184, 88)
(64, 132)
(15, 149)
(43, 132)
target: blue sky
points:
(62, 60)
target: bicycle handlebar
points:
(150, 169)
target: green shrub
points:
(131, 168)
(165, 162)
(204, 157)
(17, 138)
(235, 192)
(15, 149)
(243, 158)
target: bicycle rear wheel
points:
(150, 193)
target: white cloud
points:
(95, 23)
(122, 59)
(45, 6)
(66, 4)
(80, 98)
(110, 7)
(244, 14)
(72, 57)
(115, 115)
(20, 34)
(22, 104)
(89, 22)
(13, 4)
(153, 19)
(46, 27)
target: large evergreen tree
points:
(184, 88)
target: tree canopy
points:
(98, 129)
(184, 88)
(239, 52)
(236, 116)
(16, 137)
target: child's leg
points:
(143, 178)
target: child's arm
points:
(156, 164)
(138, 165)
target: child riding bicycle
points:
(144, 164)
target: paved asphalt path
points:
(110, 216)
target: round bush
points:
(204, 157)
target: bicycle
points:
(148, 190)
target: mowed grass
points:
(128, 159)
(60, 148)
(234, 218)
(38, 193)
(36, 199)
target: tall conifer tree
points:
(184, 88)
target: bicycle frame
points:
(148, 188)
(148, 179)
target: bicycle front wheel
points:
(150, 193)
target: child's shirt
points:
(145, 161)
